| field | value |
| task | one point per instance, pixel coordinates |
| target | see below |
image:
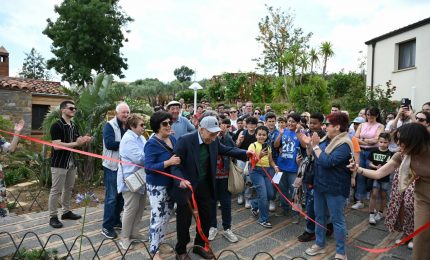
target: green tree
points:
(153, 90)
(87, 35)
(34, 66)
(93, 103)
(183, 73)
(314, 59)
(327, 52)
(340, 83)
(277, 34)
(312, 96)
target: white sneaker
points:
(240, 199)
(272, 206)
(247, 204)
(125, 244)
(315, 250)
(372, 220)
(212, 233)
(411, 245)
(378, 216)
(358, 205)
(230, 236)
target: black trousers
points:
(184, 216)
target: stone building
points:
(27, 99)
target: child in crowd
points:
(260, 180)
(377, 158)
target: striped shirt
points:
(67, 133)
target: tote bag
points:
(236, 184)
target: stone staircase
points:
(280, 241)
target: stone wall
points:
(16, 105)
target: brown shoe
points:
(203, 253)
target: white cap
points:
(173, 103)
(210, 123)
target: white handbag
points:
(136, 180)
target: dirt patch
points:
(30, 189)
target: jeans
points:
(114, 202)
(264, 189)
(334, 204)
(224, 197)
(310, 225)
(286, 186)
(361, 191)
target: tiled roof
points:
(31, 85)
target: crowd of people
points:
(326, 162)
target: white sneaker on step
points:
(272, 206)
(212, 233)
(358, 205)
(230, 236)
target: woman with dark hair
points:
(423, 118)
(412, 160)
(131, 150)
(332, 181)
(367, 134)
(159, 156)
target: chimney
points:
(4, 62)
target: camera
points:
(298, 150)
(405, 102)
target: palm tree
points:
(326, 51)
(304, 63)
(314, 59)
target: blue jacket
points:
(331, 174)
(188, 149)
(155, 155)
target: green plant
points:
(312, 96)
(36, 254)
(85, 199)
(5, 124)
(42, 169)
(16, 175)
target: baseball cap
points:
(210, 123)
(173, 103)
(358, 120)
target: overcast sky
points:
(213, 37)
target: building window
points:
(37, 115)
(407, 54)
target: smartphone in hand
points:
(265, 145)
(298, 151)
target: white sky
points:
(213, 37)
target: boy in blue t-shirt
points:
(287, 143)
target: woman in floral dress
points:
(7, 147)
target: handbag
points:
(136, 180)
(236, 184)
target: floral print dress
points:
(4, 147)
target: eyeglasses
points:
(233, 111)
(420, 119)
(390, 117)
(256, 113)
(72, 108)
(166, 123)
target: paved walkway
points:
(280, 241)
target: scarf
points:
(342, 138)
(406, 174)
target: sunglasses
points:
(72, 108)
(256, 113)
(233, 111)
(420, 119)
(166, 123)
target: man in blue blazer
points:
(198, 152)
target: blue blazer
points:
(188, 149)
